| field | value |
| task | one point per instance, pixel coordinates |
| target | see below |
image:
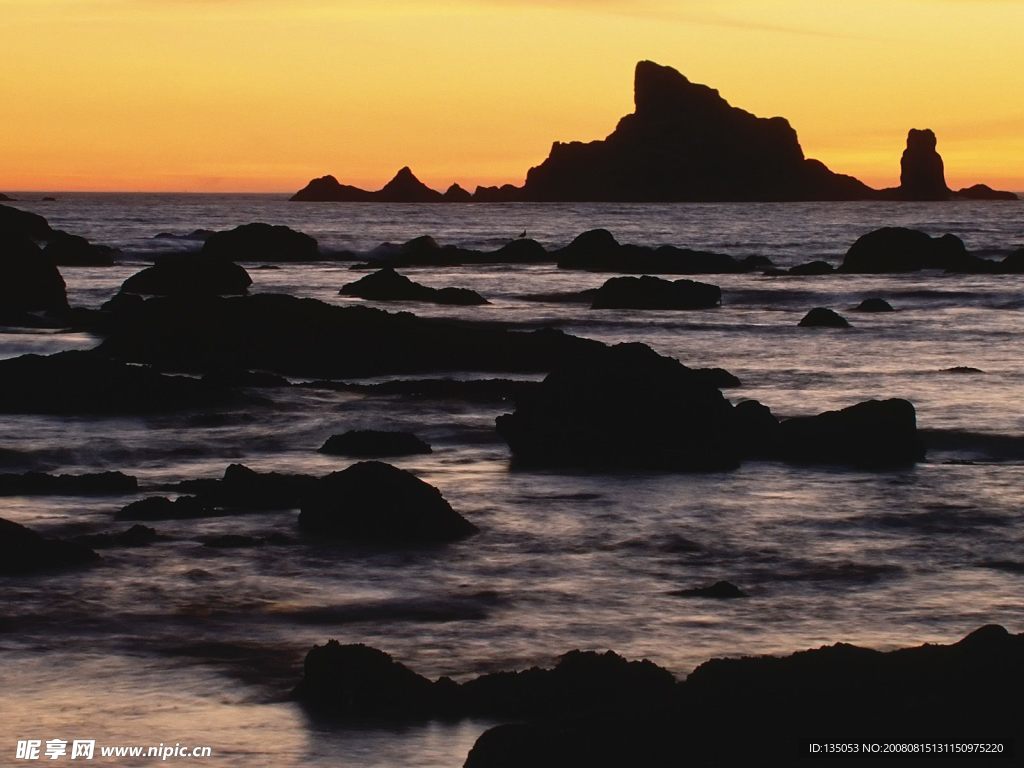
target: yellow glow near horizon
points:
(262, 95)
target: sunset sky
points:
(262, 95)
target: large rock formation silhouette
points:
(683, 142)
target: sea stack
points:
(922, 175)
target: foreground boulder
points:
(898, 249)
(305, 337)
(376, 502)
(872, 434)
(388, 285)
(371, 442)
(654, 293)
(189, 274)
(15, 222)
(41, 484)
(261, 242)
(821, 317)
(29, 281)
(622, 406)
(761, 710)
(22, 551)
(66, 250)
(84, 382)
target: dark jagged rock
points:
(654, 293)
(874, 305)
(356, 681)
(242, 487)
(370, 442)
(162, 508)
(85, 382)
(897, 249)
(41, 484)
(812, 268)
(684, 142)
(506, 193)
(388, 285)
(15, 222)
(721, 590)
(29, 280)
(757, 430)
(136, 536)
(983, 192)
(913, 695)
(622, 406)
(22, 551)
(522, 250)
(1014, 263)
(922, 175)
(261, 242)
(305, 337)
(66, 250)
(189, 274)
(598, 251)
(376, 502)
(456, 194)
(821, 317)
(872, 434)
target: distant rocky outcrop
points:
(388, 285)
(683, 142)
(372, 442)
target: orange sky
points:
(262, 95)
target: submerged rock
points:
(40, 484)
(654, 293)
(721, 590)
(622, 406)
(136, 536)
(388, 285)
(821, 317)
(371, 442)
(376, 502)
(66, 250)
(29, 280)
(812, 268)
(22, 551)
(261, 242)
(189, 274)
(162, 508)
(874, 305)
(872, 434)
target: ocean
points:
(178, 642)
